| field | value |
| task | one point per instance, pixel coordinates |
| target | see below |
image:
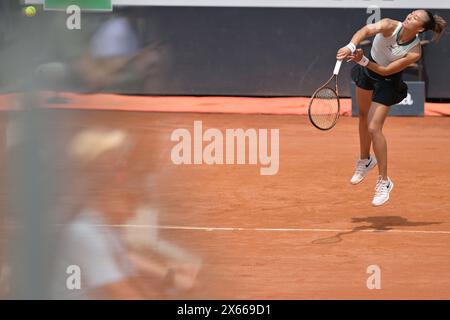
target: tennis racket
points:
(324, 106)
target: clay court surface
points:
(306, 232)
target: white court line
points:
(166, 227)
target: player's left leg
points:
(366, 162)
(377, 116)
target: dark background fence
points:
(249, 51)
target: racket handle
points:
(337, 67)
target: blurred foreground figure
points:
(92, 245)
(115, 58)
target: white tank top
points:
(387, 50)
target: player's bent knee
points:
(374, 129)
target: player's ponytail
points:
(437, 24)
(440, 26)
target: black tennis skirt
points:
(388, 90)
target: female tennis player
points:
(380, 85)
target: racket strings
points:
(324, 109)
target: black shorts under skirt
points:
(386, 90)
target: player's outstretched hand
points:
(343, 53)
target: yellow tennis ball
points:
(30, 11)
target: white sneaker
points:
(362, 168)
(382, 190)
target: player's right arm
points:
(384, 26)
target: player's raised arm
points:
(384, 26)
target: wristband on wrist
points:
(351, 46)
(364, 61)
